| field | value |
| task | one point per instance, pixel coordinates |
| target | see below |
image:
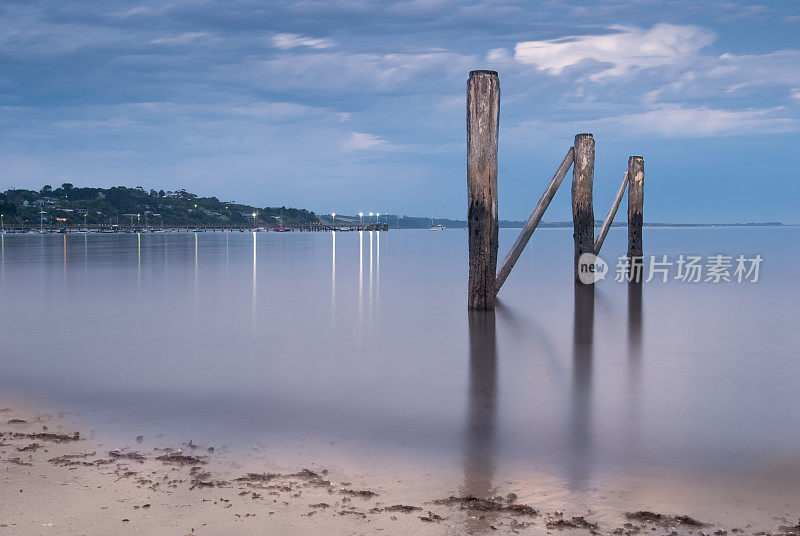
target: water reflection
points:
(360, 276)
(138, 261)
(377, 265)
(64, 272)
(479, 451)
(579, 440)
(634, 328)
(634, 364)
(529, 333)
(255, 285)
(196, 270)
(333, 271)
(371, 294)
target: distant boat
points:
(281, 229)
(433, 227)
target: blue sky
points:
(353, 105)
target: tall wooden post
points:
(483, 117)
(582, 210)
(635, 205)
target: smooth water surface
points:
(363, 340)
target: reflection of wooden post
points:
(635, 205)
(483, 116)
(582, 211)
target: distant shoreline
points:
(447, 224)
(407, 222)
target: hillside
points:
(71, 206)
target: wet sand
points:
(60, 480)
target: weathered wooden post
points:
(635, 205)
(483, 118)
(582, 210)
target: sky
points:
(350, 105)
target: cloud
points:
(327, 73)
(180, 39)
(289, 40)
(359, 141)
(625, 49)
(677, 121)
(141, 10)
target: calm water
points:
(363, 341)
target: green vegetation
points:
(68, 206)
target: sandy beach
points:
(59, 480)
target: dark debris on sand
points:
(69, 460)
(312, 477)
(45, 436)
(787, 530)
(118, 455)
(402, 508)
(471, 502)
(365, 493)
(431, 517)
(180, 459)
(644, 516)
(575, 522)
(258, 477)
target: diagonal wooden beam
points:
(610, 216)
(533, 220)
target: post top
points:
(482, 72)
(637, 158)
(583, 135)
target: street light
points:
(361, 217)
(254, 219)
(333, 218)
(377, 217)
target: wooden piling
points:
(601, 237)
(533, 220)
(635, 205)
(483, 117)
(582, 210)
